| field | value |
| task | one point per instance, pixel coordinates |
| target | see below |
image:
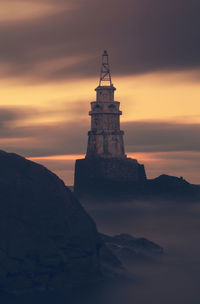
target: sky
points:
(50, 54)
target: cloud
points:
(45, 139)
(10, 115)
(180, 163)
(19, 10)
(141, 36)
(70, 137)
(164, 147)
(155, 136)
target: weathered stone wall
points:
(102, 121)
(105, 93)
(105, 138)
(105, 160)
(91, 172)
(105, 144)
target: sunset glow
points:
(49, 68)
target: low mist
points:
(172, 278)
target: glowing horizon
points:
(49, 72)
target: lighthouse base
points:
(108, 176)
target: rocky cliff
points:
(47, 240)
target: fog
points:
(174, 278)
(170, 279)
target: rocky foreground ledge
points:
(127, 247)
(47, 240)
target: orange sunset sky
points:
(50, 56)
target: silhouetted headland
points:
(47, 240)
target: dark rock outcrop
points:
(164, 187)
(172, 187)
(125, 246)
(47, 240)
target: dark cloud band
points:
(141, 36)
(71, 137)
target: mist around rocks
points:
(172, 278)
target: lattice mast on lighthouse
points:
(105, 139)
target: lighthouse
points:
(106, 166)
(105, 139)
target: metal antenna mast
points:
(105, 75)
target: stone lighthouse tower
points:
(106, 167)
(105, 138)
